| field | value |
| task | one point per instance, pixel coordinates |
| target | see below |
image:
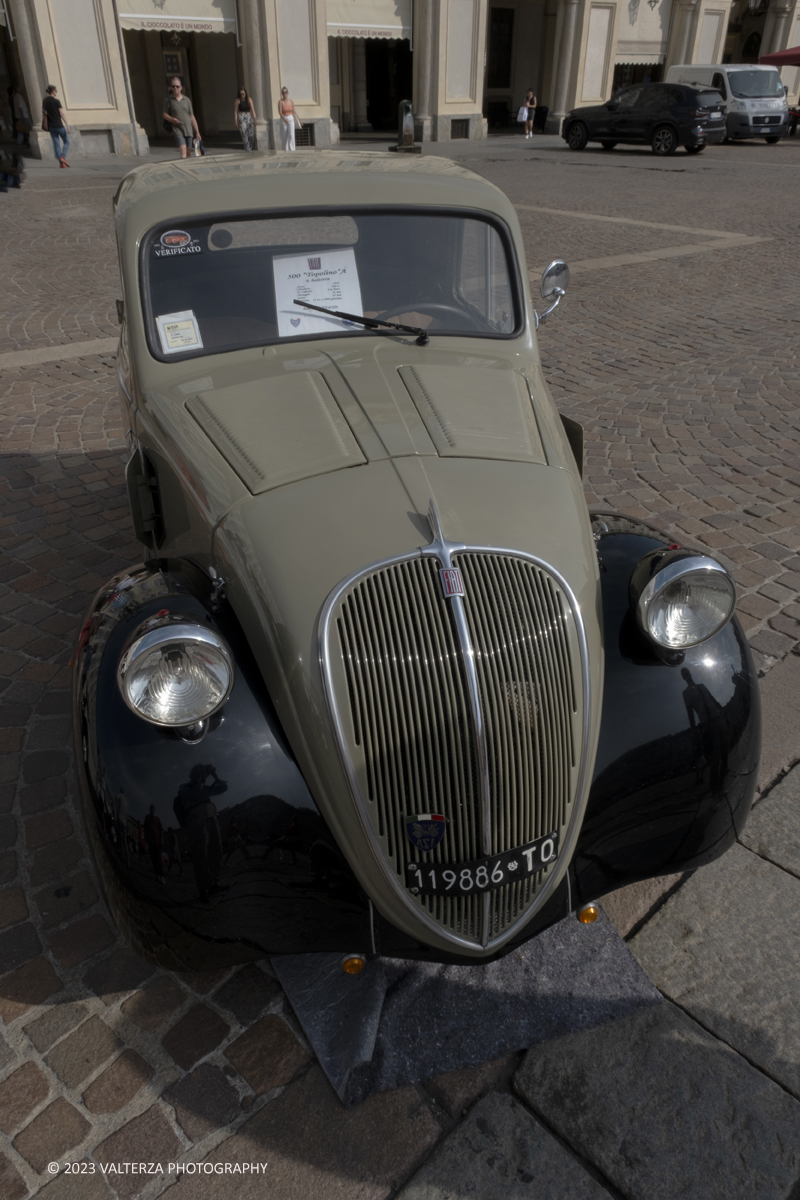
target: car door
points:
(650, 111)
(623, 120)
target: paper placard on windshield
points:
(329, 279)
(179, 332)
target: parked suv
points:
(665, 115)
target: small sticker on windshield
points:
(179, 332)
(176, 242)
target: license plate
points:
(482, 874)
(716, 116)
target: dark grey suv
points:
(661, 115)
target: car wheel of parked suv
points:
(664, 141)
(608, 145)
(578, 136)
(694, 149)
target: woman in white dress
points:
(286, 110)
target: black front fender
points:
(260, 874)
(679, 742)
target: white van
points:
(755, 96)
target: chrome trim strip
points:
(441, 549)
(436, 549)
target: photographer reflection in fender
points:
(197, 814)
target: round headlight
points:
(175, 673)
(686, 602)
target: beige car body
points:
(286, 486)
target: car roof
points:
(306, 179)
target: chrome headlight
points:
(175, 672)
(681, 600)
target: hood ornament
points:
(451, 577)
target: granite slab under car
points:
(401, 1022)
(665, 1111)
(502, 1152)
(725, 948)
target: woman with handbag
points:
(244, 115)
(289, 120)
(55, 123)
(530, 104)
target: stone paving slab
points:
(666, 1111)
(316, 1148)
(726, 947)
(501, 1152)
(773, 830)
(780, 707)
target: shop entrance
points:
(207, 65)
(369, 77)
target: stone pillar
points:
(778, 34)
(682, 34)
(33, 82)
(688, 30)
(250, 33)
(359, 122)
(423, 33)
(566, 52)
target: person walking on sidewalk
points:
(288, 119)
(530, 104)
(54, 121)
(244, 115)
(178, 113)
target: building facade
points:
(464, 64)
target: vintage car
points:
(381, 683)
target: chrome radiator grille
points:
(410, 714)
(412, 739)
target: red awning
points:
(782, 58)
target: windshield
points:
(228, 282)
(755, 85)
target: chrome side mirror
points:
(555, 281)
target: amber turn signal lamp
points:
(353, 964)
(587, 914)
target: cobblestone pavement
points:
(677, 351)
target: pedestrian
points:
(530, 104)
(244, 114)
(178, 113)
(54, 121)
(11, 170)
(22, 118)
(288, 120)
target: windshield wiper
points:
(370, 322)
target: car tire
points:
(664, 141)
(772, 141)
(608, 145)
(577, 136)
(695, 149)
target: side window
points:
(629, 98)
(655, 97)
(718, 82)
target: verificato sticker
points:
(174, 242)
